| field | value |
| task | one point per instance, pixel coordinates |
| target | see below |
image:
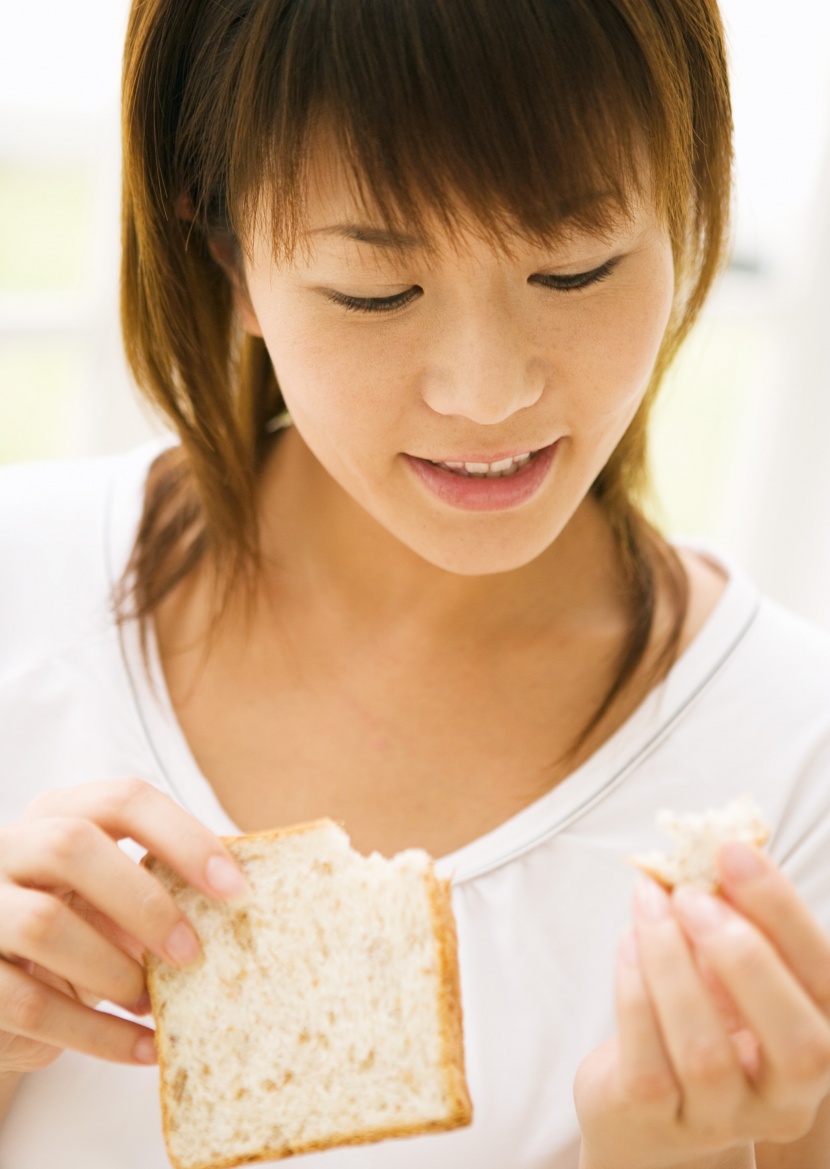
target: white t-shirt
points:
(540, 902)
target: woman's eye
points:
(384, 304)
(389, 304)
(581, 279)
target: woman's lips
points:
(481, 494)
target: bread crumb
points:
(698, 837)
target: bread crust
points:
(450, 1015)
(661, 865)
(449, 1000)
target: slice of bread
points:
(698, 836)
(325, 1011)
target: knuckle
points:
(793, 1124)
(706, 1061)
(27, 1009)
(809, 1059)
(650, 1087)
(133, 793)
(37, 922)
(155, 909)
(68, 839)
(746, 951)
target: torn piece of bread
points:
(326, 1010)
(697, 837)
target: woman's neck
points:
(321, 547)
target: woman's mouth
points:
(501, 468)
(485, 486)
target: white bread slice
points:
(326, 1010)
(697, 838)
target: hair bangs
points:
(404, 93)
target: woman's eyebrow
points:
(381, 238)
(377, 236)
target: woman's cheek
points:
(608, 377)
(627, 339)
(343, 399)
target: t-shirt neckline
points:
(589, 783)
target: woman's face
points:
(484, 359)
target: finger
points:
(106, 926)
(733, 1020)
(693, 1031)
(133, 808)
(38, 1012)
(761, 892)
(40, 928)
(76, 853)
(743, 1041)
(646, 1075)
(793, 1034)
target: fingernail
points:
(630, 949)
(740, 862)
(702, 912)
(651, 902)
(182, 946)
(145, 1050)
(226, 880)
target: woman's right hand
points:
(77, 914)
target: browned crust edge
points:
(657, 874)
(151, 965)
(367, 1137)
(276, 833)
(449, 1012)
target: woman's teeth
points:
(498, 470)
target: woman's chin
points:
(479, 556)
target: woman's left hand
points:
(723, 1009)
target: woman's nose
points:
(483, 378)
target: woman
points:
(404, 279)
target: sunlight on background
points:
(63, 386)
(45, 213)
(64, 389)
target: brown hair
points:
(511, 113)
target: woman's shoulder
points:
(787, 667)
(779, 646)
(65, 525)
(754, 685)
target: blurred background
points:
(741, 452)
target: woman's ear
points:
(223, 251)
(224, 254)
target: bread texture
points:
(325, 1011)
(698, 837)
